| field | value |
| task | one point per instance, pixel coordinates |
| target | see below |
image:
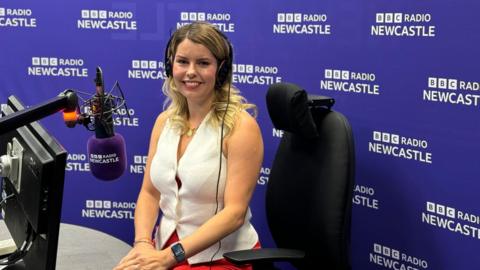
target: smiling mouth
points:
(191, 83)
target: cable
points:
(4, 201)
(22, 252)
(220, 167)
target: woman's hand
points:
(144, 256)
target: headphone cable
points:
(220, 167)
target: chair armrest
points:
(252, 256)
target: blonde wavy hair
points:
(176, 104)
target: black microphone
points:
(106, 149)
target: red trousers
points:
(215, 265)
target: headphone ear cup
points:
(223, 73)
(226, 67)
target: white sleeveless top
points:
(185, 210)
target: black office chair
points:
(309, 193)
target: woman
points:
(204, 204)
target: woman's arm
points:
(244, 151)
(146, 211)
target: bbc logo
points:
(443, 83)
(441, 209)
(44, 61)
(93, 14)
(289, 17)
(389, 17)
(145, 64)
(192, 16)
(386, 137)
(386, 251)
(2, 11)
(337, 74)
(241, 68)
(98, 204)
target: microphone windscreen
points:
(107, 157)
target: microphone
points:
(106, 149)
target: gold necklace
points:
(190, 131)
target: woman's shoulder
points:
(245, 120)
(162, 117)
(160, 122)
(246, 135)
(245, 124)
(243, 117)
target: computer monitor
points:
(34, 192)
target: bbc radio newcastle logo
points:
(255, 75)
(57, 67)
(452, 91)
(365, 196)
(107, 20)
(395, 145)
(17, 18)
(403, 25)
(391, 258)
(147, 70)
(105, 209)
(302, 24)
(451, 219)
(223, 21)
(350, 82)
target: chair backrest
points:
(309, 193)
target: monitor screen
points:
(33, 190)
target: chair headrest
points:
(288, 108)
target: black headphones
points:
(225, 65)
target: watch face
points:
(178, 252)
(177, 249)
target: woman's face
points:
(194, 72)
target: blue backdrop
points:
(405, 73)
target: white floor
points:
(81, 248)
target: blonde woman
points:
(200, 181)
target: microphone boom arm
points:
(67, 101)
